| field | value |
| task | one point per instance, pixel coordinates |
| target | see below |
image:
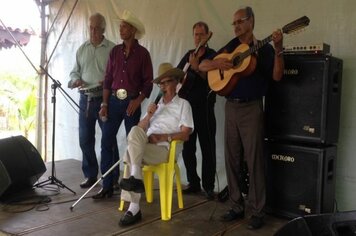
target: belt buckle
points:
(121, 94)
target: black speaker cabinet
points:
(300, 179)
(335, 224)
(295, 227)
(20, 164)
(305, 105)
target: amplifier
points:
(318, 48)
(305, 105)
(300, 179)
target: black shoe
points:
(87, 183)
(223, 196)
(232, 215)
(116, 186)
(104, 193)
(129, 219)
(255, 222)
(132, 184)
(192, 189)
(210, 195)
(115, 182)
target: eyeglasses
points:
(164, 83)
(240, 21)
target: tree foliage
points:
(18, 103)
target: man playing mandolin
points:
(244, 126)
(195, 89)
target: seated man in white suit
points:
(148, 142)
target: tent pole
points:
(39, 111)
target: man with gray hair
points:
(88, 75)
(244, 113)
(148, 142)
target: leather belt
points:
(92, 96)
(122, 94)
(243, 100)
(91, 89)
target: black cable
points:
(212, 149)
(35, 201)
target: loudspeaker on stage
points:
(300, 179)
(21, 164)
(332, 224)
(305, 105)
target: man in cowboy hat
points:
(148, 142)
(128, 81)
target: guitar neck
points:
(260, 44)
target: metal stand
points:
(52, 179)
(102, 177)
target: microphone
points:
(158, 98)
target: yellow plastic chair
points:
(166, 172)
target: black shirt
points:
(195, 88)
(254, 85)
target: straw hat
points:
(167, 70)
(130, 18)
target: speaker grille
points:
(305, 105)
(300, 179)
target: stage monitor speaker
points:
(295, 227)
(300, 179)
(20, 164)
(305, 105)
(334, 224)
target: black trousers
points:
(204, 129)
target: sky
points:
(23, 14)
(20, 13)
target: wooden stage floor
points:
(46, 211)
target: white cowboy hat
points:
(167, 70)
(130, 18)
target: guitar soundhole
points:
(236, 61)
(221, 73)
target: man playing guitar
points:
(244, 115)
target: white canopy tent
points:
(169, 35)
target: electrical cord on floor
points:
(215, 200)
(38, 201)
(24, 204)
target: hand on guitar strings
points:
(223, 63)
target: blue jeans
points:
(116, 114)
(87, 121)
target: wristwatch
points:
(169, 138)
(103, 104)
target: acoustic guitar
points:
(244, 61)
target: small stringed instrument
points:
(244, 61)
(202, 43)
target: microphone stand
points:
(52, 180)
